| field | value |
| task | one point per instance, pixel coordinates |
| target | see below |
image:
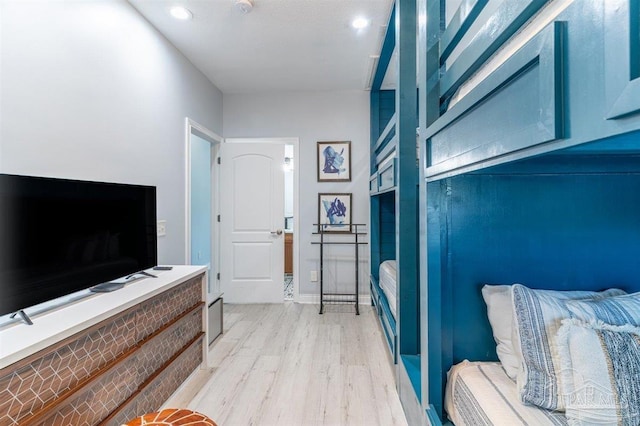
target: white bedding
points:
(481, 393)
(388, 283)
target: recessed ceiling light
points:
(360, 23)
(181, 13)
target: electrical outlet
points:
(162, 228)
(314, 276)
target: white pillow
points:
(538, 315)
(600, 373)
(500, 313)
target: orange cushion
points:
(172, 417)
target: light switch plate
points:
(162, 228)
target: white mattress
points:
(481, 393)
(388, 283)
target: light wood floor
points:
(286, 365)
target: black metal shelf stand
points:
(354, 234)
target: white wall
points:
(313, 117)
(90, 90)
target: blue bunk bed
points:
(382, 188)
(530, 163)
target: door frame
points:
(296, 198)
(193, 127)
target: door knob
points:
(278, 232)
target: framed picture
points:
(334, 212)
(334, 161)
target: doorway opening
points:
(289, 216)
(201, 150)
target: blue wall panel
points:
(387, 226)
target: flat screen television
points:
(60, 236)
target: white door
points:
(251, 222)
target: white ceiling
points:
(281, 45)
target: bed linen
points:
(388, 283)
(481, 393)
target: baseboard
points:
(314, 299)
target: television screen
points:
(60, 236)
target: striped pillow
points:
(619, 310)
(538, 315)
(600, 373)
